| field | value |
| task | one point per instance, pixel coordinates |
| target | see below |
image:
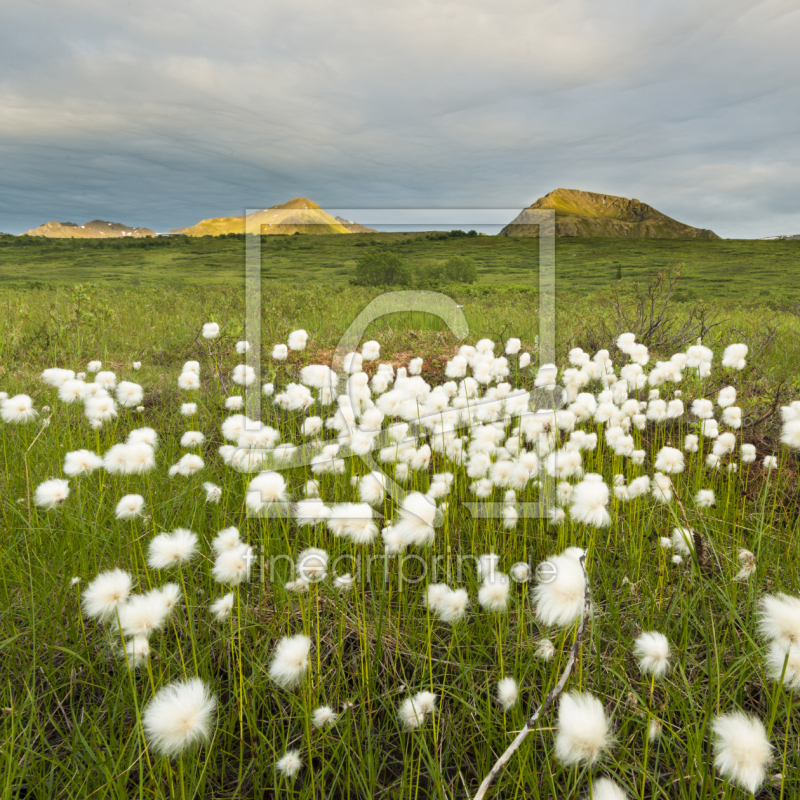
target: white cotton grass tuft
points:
(106, 593)
(652, 650)
(779, 620)
(142, 614)
(734, 356)
(213, 492)
(560, 594)
(323, 716)
(583, 730)
(606, 789)
(413, 711)
(51, 494)
(742, 750)
(312, 565)
(493, 594)
(130, 506)
(289, 764)
(290, 661)
(172, 549)
(417, 515)
(520, 572)
(136, 652)
(232, 566)
(222, 608)
(589, 501)
(683, 541)
(210, 330)
(297, 340)
(661, 487)
(669, 460)
(507, 693)
(81, 462)
(705, 498)
(179, 716)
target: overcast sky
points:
(164, 113)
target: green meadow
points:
(72, 704)
(714, 270)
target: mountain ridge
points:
(298, 215)
(96, 229)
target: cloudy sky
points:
(162, 114)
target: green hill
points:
(589, 214)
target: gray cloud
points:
(162, 114)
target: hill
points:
(354, 227)
(299, 215)
(589, 214)
(96, 229)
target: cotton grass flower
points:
(172, 549)
(493, 594)
(210, 330)
(136, 652)
(18, 410)
(742, 751)
(232, 566)
(312, 565)
(179, 717)
(213, 492)
(545, 649)
(661, 488)
(222, 608)
(289, 764)
(588, 503)
(683, 541)
(51, 494)
(507, 693)
(130, 506)
(520, 572)
(297, 340)
(784, 665)
(290, 661)
(705, 498)
(652, 650)
(779, 620)
(734, 356)
(81, 462)
(188, 409)
(129, 394)
(142, 614)
(584, 731)
(669, 460)
(192, 439)
(560, 594)
(323, 716)
(106, 593)
(413, 711)
(606, 789)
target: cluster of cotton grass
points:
(624, 441)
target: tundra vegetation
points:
(186, 609)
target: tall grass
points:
(69, 707)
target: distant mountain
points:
(785, 236)
(354, 227)
(589, 214)
(96, 229)
(299, 215)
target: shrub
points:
(382, 269)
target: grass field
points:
(71, 708)
(715, 270)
